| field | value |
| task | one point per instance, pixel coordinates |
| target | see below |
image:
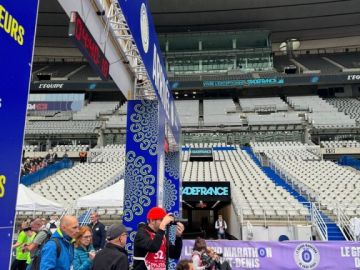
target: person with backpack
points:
(220, 226)
(42, 235)
(58, 252)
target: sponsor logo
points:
(250, 82)
(205, 191)
(314, 79)
(37, 106)
(306, 256)
(51, 85)
(144, 28)
(353, 77)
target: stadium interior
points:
(268, 95)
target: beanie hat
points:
(156, 213)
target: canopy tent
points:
(112, 196)
(28, 200)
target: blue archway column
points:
(145, 163)
(172, 192)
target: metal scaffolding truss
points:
(117, 26)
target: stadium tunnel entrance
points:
(202, 202)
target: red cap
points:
(156, 213)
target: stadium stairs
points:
(334, 233)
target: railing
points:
(319, 222)
(345, 225)
(41, 174)
(85, 218)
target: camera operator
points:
(150, 247)
(205, 258)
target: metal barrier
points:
(41, 174)
(319, 222)
(345, 225)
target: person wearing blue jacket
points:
(58, 252)
(84, 250)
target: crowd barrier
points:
(41, 174)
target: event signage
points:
(249, 82)
(269, 255)
(201, 154)
(55, 105)
(353, 77)
(139, 20)
(17, 31)
(83, 39)
(73, 86)
(206, 191)
(290, 80)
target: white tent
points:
(111, 196)
(28, 200)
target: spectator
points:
(84, 251)
(199, 251)
(205, 258)
(83, 156)
(220, 226)
(114, 255)
(21, 257)
(98, 231)
(65, 155)
(185, 265)
(150, 244)
(34, 246)
(57, 254)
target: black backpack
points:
(35, 263)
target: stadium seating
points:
(94, 109)
(316, 62)
(340, 144)
(274, 119)
(321, 114)
(62, 127)
(216, 113)
(65, 187)
(188, 111)
(254, 195)
(262, 104)
(70, 148)
(326, 182)
(348, 60)
(350, 106)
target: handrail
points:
(345, 225)
(319, 222)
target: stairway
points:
(334, 233)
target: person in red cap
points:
(150, 242)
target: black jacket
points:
(112, 257)
(144, 244)
(99, 235)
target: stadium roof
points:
(302, 19)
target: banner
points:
(17, 28)
(289, 80)
(294, 255)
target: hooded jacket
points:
(49, 259)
